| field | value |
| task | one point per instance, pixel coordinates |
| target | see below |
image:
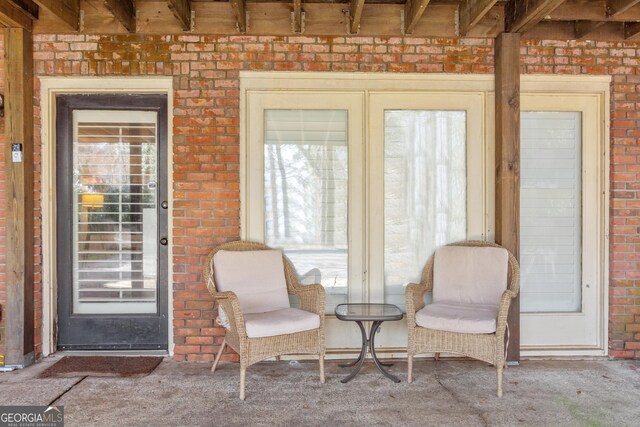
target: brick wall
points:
(206, 137)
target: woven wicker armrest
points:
(312, 297)
(229, 303)
(503, 312)
(414, 298)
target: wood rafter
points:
(596, 10)
(124, 11)
(471, 12)
(583, 28)
(413, 11)
(240, 10)
(296, 17)
(182, 11)
(66, 10)
(28, 6)
(618, 7)
(14, 16)
(355, 15)
(522, 15)
(631, 30)
(613, 9)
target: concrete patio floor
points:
(449, 392)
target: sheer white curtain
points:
(306, 194)
(425, 191)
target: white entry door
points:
(561, 211)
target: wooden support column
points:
(19, 204)
(507, 60)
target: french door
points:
(360, 188)
(562, 209)
(111, 194)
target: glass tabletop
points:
(368, 312)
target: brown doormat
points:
(101, 366)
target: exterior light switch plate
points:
(16, 153)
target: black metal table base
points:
(368, 343)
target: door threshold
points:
(132, 353)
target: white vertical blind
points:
(114, 211)
(551, 211)
(306, 194)
(425, 191)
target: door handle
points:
(164, 241)
(164, 204)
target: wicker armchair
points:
(255, 345)
(484, 340)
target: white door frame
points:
(530, 84)
(593, 90)
(49, 88)
(254, 85)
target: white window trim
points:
(49, 88)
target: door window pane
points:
(306, 194)
(114, 211)
(551, 211)
(425, 191)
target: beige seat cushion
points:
(280, 322)
(256, 277)
(465, 318)
(470, 275)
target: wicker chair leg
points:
(322, 369)
(499, 373)
(436, 356)
(217, 359)
(243, 373)
(410, 368)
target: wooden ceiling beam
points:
(28, 6)
(471, 12)
(618, 7)
(182, 11)
(13, 16)
(613, 9)
(124, 11)
(584, 28)
(296, 17)
(522, 15)
(68, 11)
(240, 10)
(413, 11)
(593, 10)
(355, 15)
(631, 30)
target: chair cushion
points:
(280, 322)
(256, 277)
(465, 318)
(469, 275)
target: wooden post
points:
(507, 60)
(19, 344)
